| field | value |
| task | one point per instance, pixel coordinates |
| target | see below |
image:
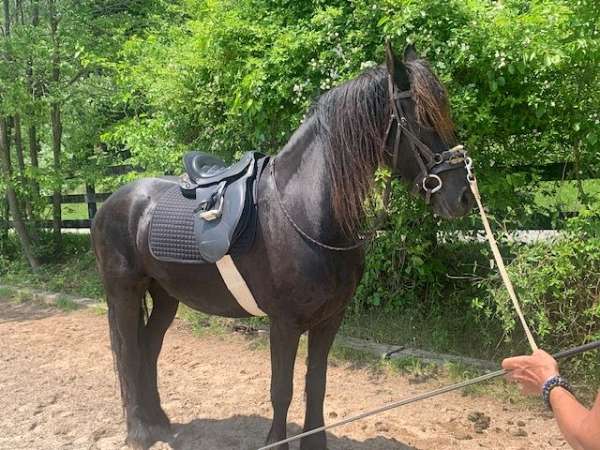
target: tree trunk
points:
(56, 150)
(19, 146)
(6, 5)
(35, 12)
(582, 194)
(13, 204)
(34, 145)
(21, 162)
(34, 148)
(55, 118)
(19, 5)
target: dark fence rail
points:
(565, 171)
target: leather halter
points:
(431, 164)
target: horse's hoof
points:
(314, 442)
(280, 447)
(142, 437)
(271, 440)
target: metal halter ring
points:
(435, 188)
(469, 167)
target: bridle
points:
(431, 164)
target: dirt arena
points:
(58, 391)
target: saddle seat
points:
(204, 169)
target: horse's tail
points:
(116, 344)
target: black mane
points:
(351, 122)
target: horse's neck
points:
(305, 185)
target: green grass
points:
(100, 309)
(445, 331)
(412, 366)
(22, 296)
(356, 358)
(71, 211)
(201, 323)
(66, 304)
(6, 292)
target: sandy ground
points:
(58, 391)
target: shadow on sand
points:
(249, 433)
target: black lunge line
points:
(560, 355)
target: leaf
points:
(383, 20)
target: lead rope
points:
(497, 256)
(488, 376)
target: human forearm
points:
(575, 421)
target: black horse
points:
(310, 202)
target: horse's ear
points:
(396, 68)
(410, 53)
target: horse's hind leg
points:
(164, 308)
(133, 343)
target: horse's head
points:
(420, 145)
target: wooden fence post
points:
(90, 199)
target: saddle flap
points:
(217, 230)
(214, 237)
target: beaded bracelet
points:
(550, 384)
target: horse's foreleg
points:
(320, 339)
(284, 338)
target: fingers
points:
(527, 381)
(516, 362)
(538, 358)
(531, 372)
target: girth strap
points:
(237, 286)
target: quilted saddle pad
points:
(172, 238)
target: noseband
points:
(431, 164)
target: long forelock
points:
(431, 99)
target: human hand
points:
(531, 372)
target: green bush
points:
(522, 77)
(558, 284)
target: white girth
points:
(237, 286)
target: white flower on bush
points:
(367, 65)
